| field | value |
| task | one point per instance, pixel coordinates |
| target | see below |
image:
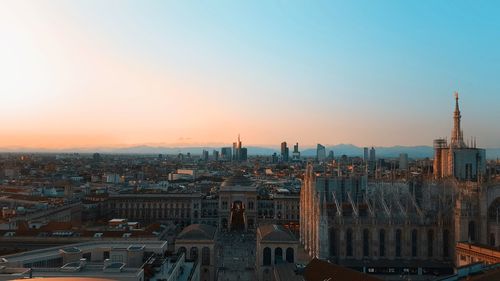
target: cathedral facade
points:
(410, 226)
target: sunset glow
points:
(112, 73)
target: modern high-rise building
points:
(373, 156)
(239, 152)
(365, 154)
(296, 152)
(215, 155)
(372, 161)
(403, 161)
(243, 154)
(204, 155)
(331, 155)
(284, 152)
(226, 153)
(320, 152)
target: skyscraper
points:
(237, 150)
(296, 152)
(320, 152)
(373, 157)
(204, 155)
(226, 153)
(365, 154)
(284, 152)
(403, 161)
(215, 154)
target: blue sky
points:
(361, 72)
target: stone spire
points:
(457, 140)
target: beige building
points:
(197, 241)
(275, 245)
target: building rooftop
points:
(237, 180)
(197, 232)
(275, 233)
(323, 270)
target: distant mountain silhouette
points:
(340, 149)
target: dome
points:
(237, 180)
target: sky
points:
(96, 73)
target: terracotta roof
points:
(197, 232)
(275, 233)
(323, 270)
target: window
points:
(366, 241)
(414, 244)
(381, 239)
(205, 256)
(472, 231)
(290, 255)
(398, 243)
(333, 244)
(348, 245)
(266, 256)
(446, 243)
(193, 253)
(278, 255)
(430, 243)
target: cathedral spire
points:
(456, 134)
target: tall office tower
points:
(237, 150)
(226, 153)
(296, 152)
(204, 155)
(274, 158)
(215, 154)
(243, 154)
(365, 154)
(331, 155)
(372, 162)
(284, 152)
(403, 161)
(373, 157)
(320, 152)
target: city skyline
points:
(84, 74)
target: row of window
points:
(398, 246)
(193, 254)
(278, 256)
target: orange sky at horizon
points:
(67, 84)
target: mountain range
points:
(340, 149)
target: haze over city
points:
(191, 73)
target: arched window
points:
(381, 245)
(366, 243)
(250, 223)
(278, 255)
(205, 256)
(398, 242)
(430, 243)
(290, 255)
(348, 244)
(446, 243)
(193, 253)
(181, 250)
(414, 244)
(472, 231)
(266, 256)
(333, 244)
